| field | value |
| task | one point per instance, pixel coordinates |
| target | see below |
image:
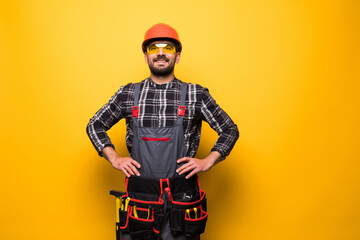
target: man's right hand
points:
(125, 164)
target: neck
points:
(162, 79)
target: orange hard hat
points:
(161, 31)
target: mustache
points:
(159, 58)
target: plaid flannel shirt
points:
(158, 106)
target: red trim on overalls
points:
(155, 139)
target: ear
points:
(146, 58)
(177, 58)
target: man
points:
(163, 117)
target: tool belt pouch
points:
(146, 223)
(141, 226)
(124, 220)
(185, 220)
(194, 227)
(122, 225)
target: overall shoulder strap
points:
(136, 94)
(183, 94)
(135, 108)
(182, 108)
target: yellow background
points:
(287, 72)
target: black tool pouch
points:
(124, 220)
(141, 226)
(122, 216)
(194, 227)
(158, 219)
(177, 216)
(146, 223)
(182, 223)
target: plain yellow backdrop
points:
(286, 71)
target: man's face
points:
(161, 62)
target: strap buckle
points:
(135, 112)
(181, 111)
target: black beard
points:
(161, 72)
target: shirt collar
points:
(173, 83)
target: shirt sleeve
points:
(220, 121)
(103, 120)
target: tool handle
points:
(117, 193)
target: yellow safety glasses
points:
(166, 47)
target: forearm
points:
(109, 154)
(212, 159)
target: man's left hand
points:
(196, 165)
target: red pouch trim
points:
(127, 221)
(141, 219)
(160, 202)
(203, 215)
(156, 231)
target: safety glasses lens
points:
(167, 48)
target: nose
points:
(160, 52)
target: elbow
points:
(237, 134)
(89, 126)
(234, 131)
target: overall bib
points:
(158, 148)
(160, 203)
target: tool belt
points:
(141, 210)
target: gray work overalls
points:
(160, 203)
(158, 148)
